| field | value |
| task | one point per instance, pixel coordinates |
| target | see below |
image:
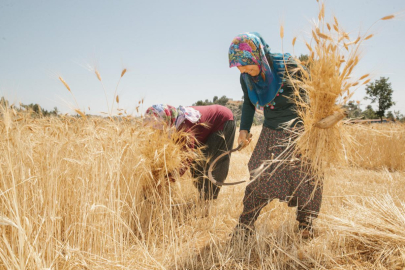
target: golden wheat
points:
(93, 193)
(98, 74)
(389, 17)
(123, 72)
(294, 40)
(327, 86)
(281, 31)
(64, 83)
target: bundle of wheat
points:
(321, 90)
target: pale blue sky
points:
(175, 51)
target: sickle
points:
(211, 168)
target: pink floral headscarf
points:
(164, 112)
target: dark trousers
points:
(216, 144)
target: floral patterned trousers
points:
(287, 182)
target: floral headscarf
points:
(251, 49)
(164, 112)
(188, 113)
(171, 116)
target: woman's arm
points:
(248, 112)
(248, 109)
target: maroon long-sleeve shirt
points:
(213, 118)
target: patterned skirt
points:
(286, 181)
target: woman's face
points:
(252, 70)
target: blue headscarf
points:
(251, 49)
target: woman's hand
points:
(242, 139)
(331, 120)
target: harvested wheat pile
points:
(375, 226)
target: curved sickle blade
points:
(211, 168)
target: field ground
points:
(336, 245)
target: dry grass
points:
(93, 194)
(378, 146)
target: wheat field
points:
(92, 193)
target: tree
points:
(353, 109)
(303, 58)
(369, 113)
(380, 92)
(55, 111)
(36, 108)
(221, 101)
(390, 116)
(398, 115)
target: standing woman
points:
(265, 86)
(211, 126)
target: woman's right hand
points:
(242, 139)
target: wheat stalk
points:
(116, 88)
(68, 88)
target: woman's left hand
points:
(330, 120)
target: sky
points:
(175, 51)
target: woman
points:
(265, 86)
(212, 126)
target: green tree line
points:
(378, 92)
(33, 109)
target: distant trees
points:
(37, 110)
(220, 101)
(390, 116)
(399, 116)
(33, 109)
(304, 59)
(235, 107)
(354, 112)
(353, 109)
(380, 92)
(369, 113)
